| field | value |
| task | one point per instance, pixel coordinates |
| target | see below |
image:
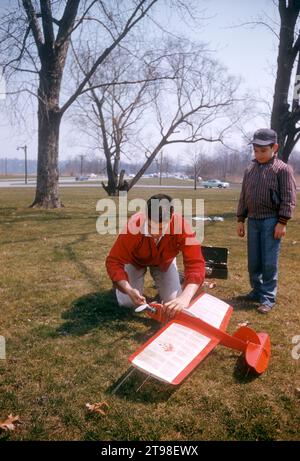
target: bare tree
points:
(222, 154)
(196, 165)
(34, 41)
(111, 114)
(189, 93)
(193, 107)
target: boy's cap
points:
(264, 137)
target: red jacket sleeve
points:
(119, 255)
(194, 264)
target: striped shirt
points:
(268, 190)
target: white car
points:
(82, 178)
(215, 183)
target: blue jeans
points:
(263, 255)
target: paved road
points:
(63, 184)
(70, 182)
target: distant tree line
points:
(221, 164)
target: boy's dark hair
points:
(160, 208)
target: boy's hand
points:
(240, 229)
(279, 231)
(136, 297)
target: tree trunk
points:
(283, 119)
(116, 182)
(47, 194)
(148, 162)
(112, 184)
(49, 118)
(111, 187)
(288, 147)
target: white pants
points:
(167, 283)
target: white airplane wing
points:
(178, 348)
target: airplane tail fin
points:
(258, 348)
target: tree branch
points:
(83, 16)
(34, 24)
(22, 50)
(128, 26)
(46, 14)
(67, 22)
(126, 82)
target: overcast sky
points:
(249, 52)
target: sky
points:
(247, 51)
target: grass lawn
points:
(68, 342)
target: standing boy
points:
(267, 199)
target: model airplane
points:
(181, 344)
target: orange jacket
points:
(141, 250)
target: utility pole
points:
(81, 163)
(5, 166)
(25, 152)
(160, 169)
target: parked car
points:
(209, 183)
(82, 178)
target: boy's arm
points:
(288, 191)
(242, 211)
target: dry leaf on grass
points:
(209, 284)
(244, 324)
(98, 407)
(10, 423)
(297, 390)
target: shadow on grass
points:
(100, 309)
(52, 237)
(136, 386)
(240, 305)
(242, 373)
(76, 260)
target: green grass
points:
(68, 343)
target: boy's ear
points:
(276, 146)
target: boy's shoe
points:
(264, 309)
